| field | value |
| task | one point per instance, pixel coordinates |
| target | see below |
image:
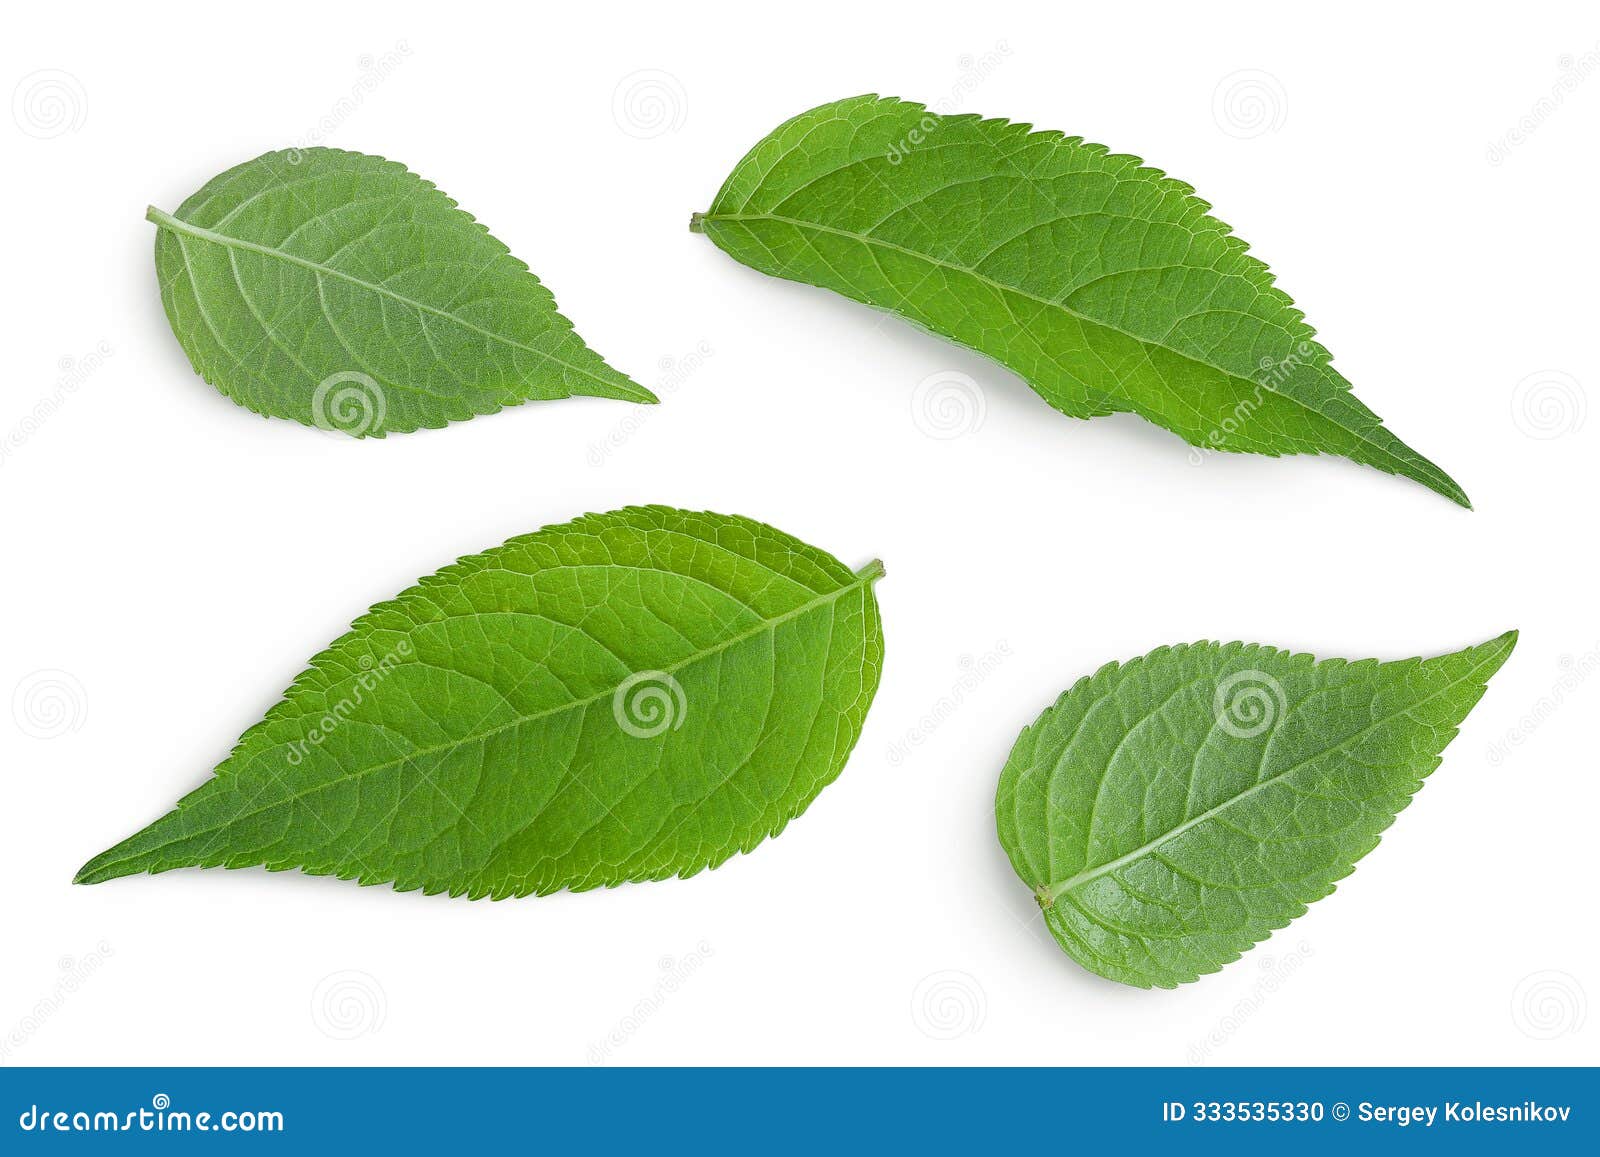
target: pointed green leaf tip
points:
(346, 293)
(1102, 283)
(628, 696)
(1170, 812)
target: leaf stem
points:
(872, 572)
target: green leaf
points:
(1170, 812)
(628, 696)
(1101, 283)
(346, 293)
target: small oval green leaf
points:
(1171, 811)
(346, 293)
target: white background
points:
(174, 560)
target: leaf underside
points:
(1170, 812)
(628, 696)
(344, 292)
(1103, 284)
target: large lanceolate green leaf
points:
(1171, 811)
(628, 696)
(346, 293)
(1103, 283)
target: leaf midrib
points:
(177, 225)
(863, 578)
(1054, 891)
(1051, 303)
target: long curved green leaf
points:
(1171, 811)
(344, 292)
(628, 696)
(1102, 283)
